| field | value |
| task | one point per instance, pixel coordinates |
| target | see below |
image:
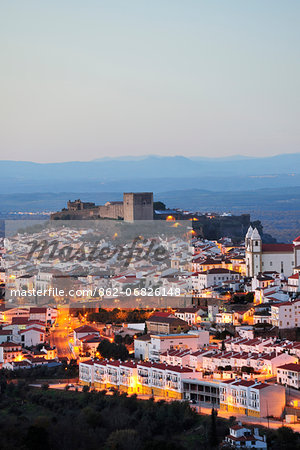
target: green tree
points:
(286, 438)
(213, 438)
(111, 350)
(159, 206)
(124, 440)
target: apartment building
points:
(289, 375)
(10, 351)
(286, 314)
(266, 363)
(252, 398)
(44, 314)
(189, 315)
(148, 378)
(215, 277)
(161, 343)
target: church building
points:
(281, 258)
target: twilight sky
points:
(88, 79)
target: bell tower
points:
(253, 245)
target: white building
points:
(43, 314)
(141, 347)
(146, 377)
(10, 351)
(215, 277)
(32, 336)
(294, 283)
(189, 315)
(9, 314)
(242, 437)
(260, 257)
(161, 343)
(5, 336)
(289, 375)
(84, 330)
(286, 314)
(252, 398)
(152, 346)
(86, 372)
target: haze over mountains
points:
(151, 173)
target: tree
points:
(37, 438)
(286, 438)
(111, 350)
(118, 339)
(159, 206)
(124, 440)
(213, 428)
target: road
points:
(59, 335)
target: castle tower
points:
(253, 253)
(138, 206)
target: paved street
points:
(59, 335)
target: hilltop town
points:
(168, 315)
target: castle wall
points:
(113, 211)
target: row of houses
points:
(262, 345)
(47, 315)
(22, 331)
(11, 352)
(145, 377)
(249, 397)
(209, 360)
(265, 363)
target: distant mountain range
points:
(151, 173)
(268, 187)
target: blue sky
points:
(84, 80)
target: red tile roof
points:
(89, 362)
(292, 367)
(129, 364)
(86, 329)
(277, 248)
(35, 310)
(261, 386)
(161, 314)
(10, 344)
(19, 320)
(31, 329)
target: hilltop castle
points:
(135, 206)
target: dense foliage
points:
(63, 371)
(111, 350)
(119, 316)
(35, 419)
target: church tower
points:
(253, 245)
